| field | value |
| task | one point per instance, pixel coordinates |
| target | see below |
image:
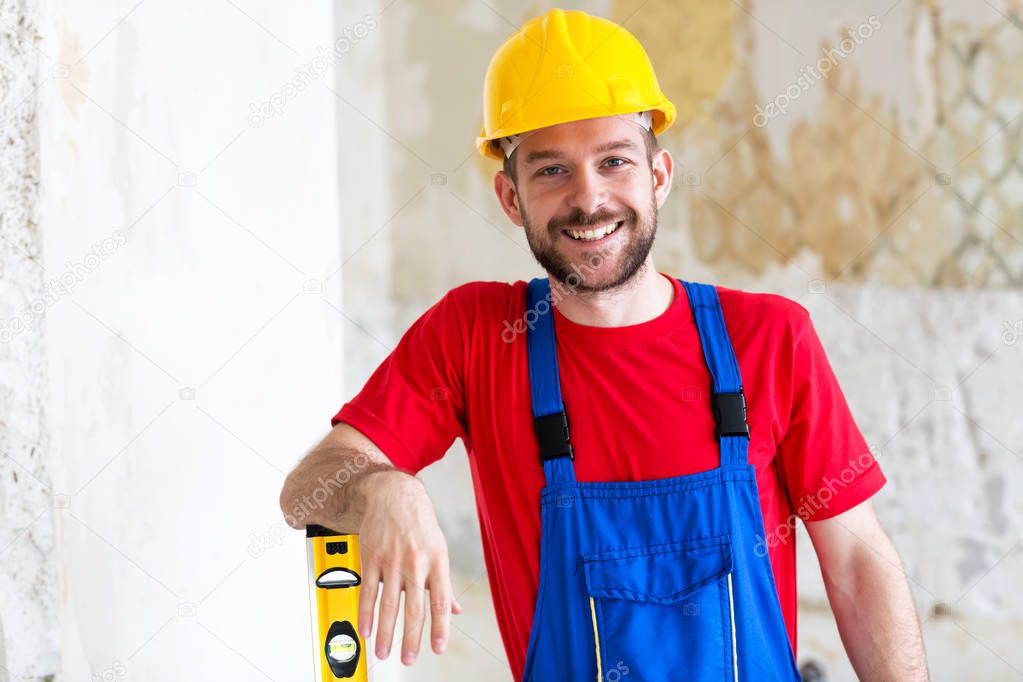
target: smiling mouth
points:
(594, 234)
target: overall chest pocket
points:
(663, 612)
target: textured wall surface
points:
(933, 380)
(28, 583)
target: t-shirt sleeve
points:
(824, 460)
(413, 405)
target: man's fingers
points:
(456, 608)
(441, 603)
(388, 612)
(415, 613)
(367, 600)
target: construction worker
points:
(640, 445)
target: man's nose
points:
(589, 191)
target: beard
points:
(580, 271)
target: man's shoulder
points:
(485, 293)
(485, 299)
(484, 288)
(763, 310)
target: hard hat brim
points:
(663, 116)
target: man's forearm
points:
(326, 488)
(876, 616)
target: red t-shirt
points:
(636, 398)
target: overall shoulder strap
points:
(550, 423)
(728, 403)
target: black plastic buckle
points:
(730, 414)
(552, 435)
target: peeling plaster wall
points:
(28, 583)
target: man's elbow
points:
(317, 489)
(851, 544)
(290, 502)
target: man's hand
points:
(346, 484)
(403, 548)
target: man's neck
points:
(644, 297)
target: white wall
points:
(197, 351)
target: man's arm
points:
(327, 487)
(869, 595)
(346, 484)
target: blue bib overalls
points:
(657, 579)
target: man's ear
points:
(661, 168)
(508, 195)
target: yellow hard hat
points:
(567, 66)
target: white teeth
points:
(595, 233)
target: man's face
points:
(588, 200)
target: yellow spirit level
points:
(335, 573)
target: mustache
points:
(581, 221)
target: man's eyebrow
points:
(544, 154)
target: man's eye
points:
(623, 162)
(543, 171)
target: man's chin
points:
(585, 279)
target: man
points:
(639, 445)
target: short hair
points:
(649, 141)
